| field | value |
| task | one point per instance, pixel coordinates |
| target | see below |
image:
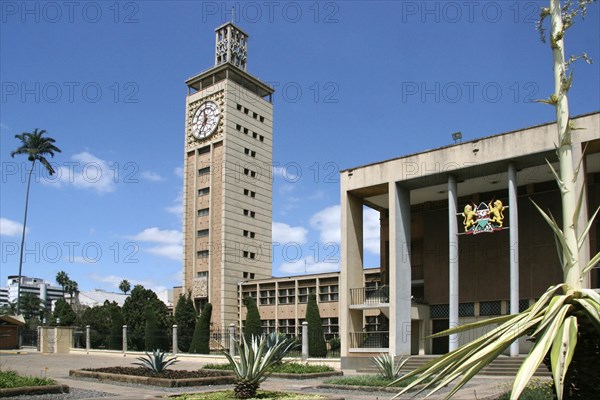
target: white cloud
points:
(169, 242)
(178, 172)
(156, 235)
(115, 280)
(172, 251)
(177, 207)
(371, 231)
(81, 260)
(152, 176)
(9, 227)
(86, 171)
(289, 173)
(309, 266)
(283, 233)
(327, 222)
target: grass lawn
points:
(261, 394)
(366, 380)
(285, 368)
(536, 390)
(11, 379)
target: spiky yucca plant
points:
(388, 367)
(156, 362)
(567, 315)
(256, 358)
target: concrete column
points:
(351, 275)
(513, 224)
(124, 340)
(175, 345)
(452, 260)
(400, 272)
(232, 339)
(87, 339)
(304, 341)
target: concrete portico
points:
(427, 260)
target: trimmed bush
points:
(316, 340)
(185, 318)
(252, 326)
(201, 340)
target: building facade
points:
(460, 237)
(227, 178)
(42, 289)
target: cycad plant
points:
(389, 369)
(256, 357)
(565, 322)
(157, 361)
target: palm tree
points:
(37, 147)
(62, 278)
(125, 286)
(72, 288)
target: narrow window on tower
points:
(238, 127)
(202, 254)
(239, 107)
(204, 150)
(203, 191)
(262, 119)
(262, 138)
(204, 171)
(203, 233)
(203, 212)
(246, 131)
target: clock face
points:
(205, 120)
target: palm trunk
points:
(568, 176)
(23, 240)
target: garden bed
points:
(33, 390)
(287, 370)
(261, 394)
(14, 384)
(168, 378)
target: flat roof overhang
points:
(230, 71)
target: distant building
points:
(3, 297)
(37, 286)
(97, 297)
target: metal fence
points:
(368, 295)
(218, 343)
(370, 340)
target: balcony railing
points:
(370, 340)
(368, 295)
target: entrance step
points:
(502, 366)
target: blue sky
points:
(356, 82)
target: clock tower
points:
(227, 179)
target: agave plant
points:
(389, 368)
(565, 322)
(157, 361)
(255, 361)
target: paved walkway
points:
(57, 366)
